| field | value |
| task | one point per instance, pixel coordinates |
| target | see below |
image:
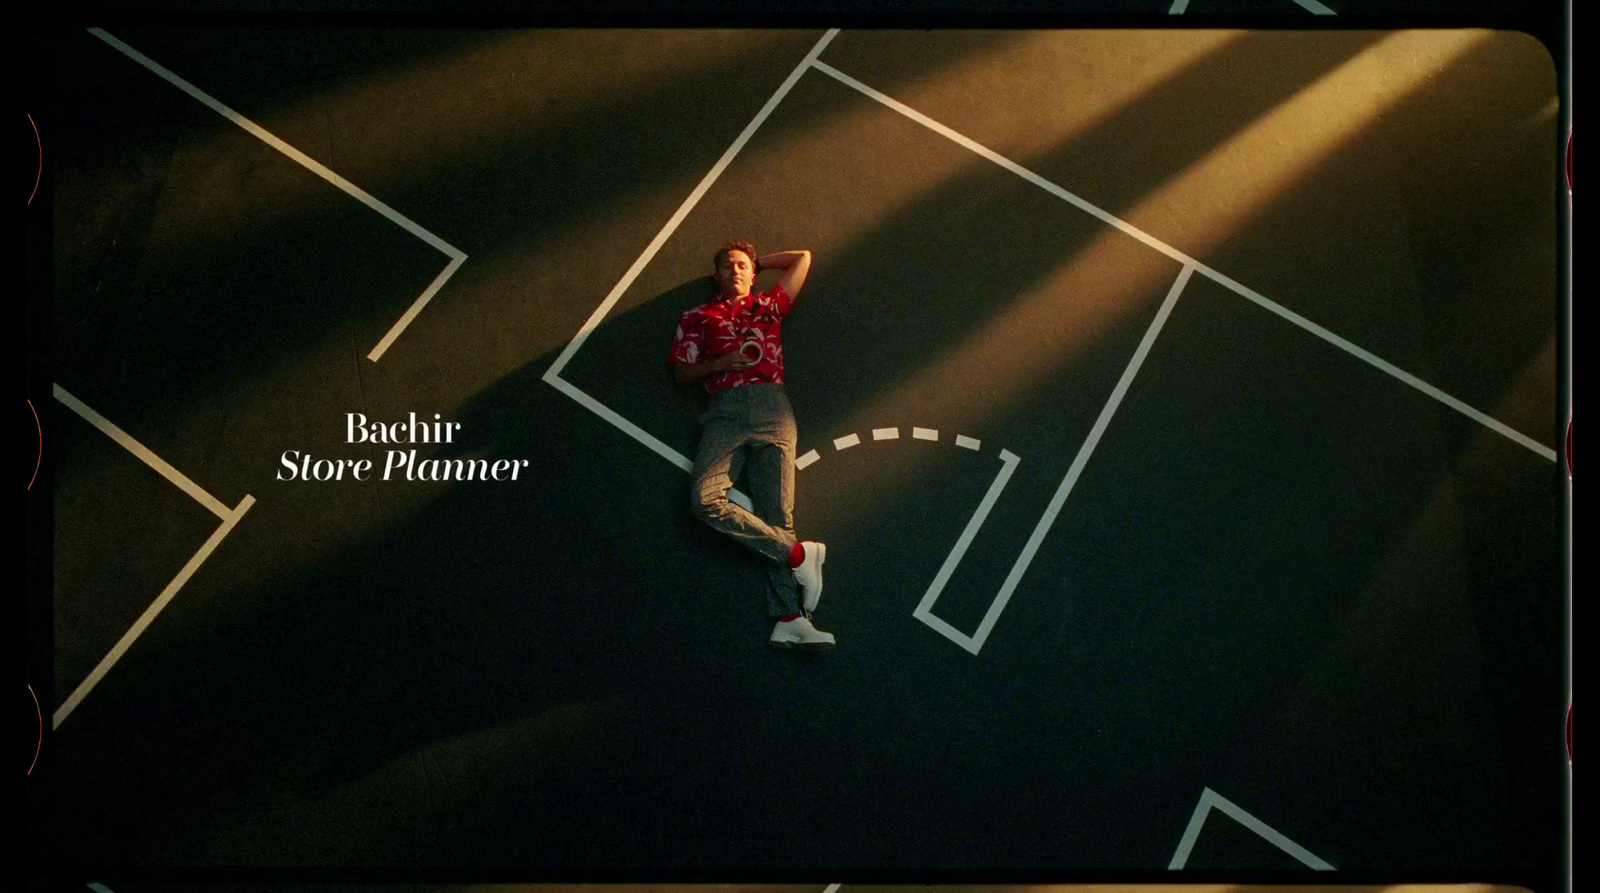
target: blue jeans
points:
(750, 429)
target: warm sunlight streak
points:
(523, 88)
(1223, 191)
(1046, 328)
(1104, 72)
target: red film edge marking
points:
(40, 714)
(40, 456)
(39, 175)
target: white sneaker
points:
(799, 633)
(809, 575)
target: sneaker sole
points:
(802, 646)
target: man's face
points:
(735, 274)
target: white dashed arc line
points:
(845, 442)
(457, 257)
(924, 609)
(1189, 267)
(230, 517)
(1204, 270)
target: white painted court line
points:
(554, 372)
(1187, 261)
(100, 888)
(229, 517)
(634, 431)
(552, 376)
(1072, 199)
(832, 888)
(416, 307)
(138, 628)
(850, 440)
(924, 609)
(455, 254)
(213, 504)
(1178, 6)
(628, 428)
(1048, 519)
(1210, 799)
(1384, 365)
(1190, 266)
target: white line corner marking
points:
(924, 609)
(457, 257)
(1189, 266)
(552, 376)
(974, 642)
(230, 517)
(1311, 6)
(1209, 800)
(1204, 270)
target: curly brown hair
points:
(734, 245)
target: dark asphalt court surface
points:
(1283, 575)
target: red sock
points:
(797, 555)
(788, 617)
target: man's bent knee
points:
(707, 502)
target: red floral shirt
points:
(750, 324)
